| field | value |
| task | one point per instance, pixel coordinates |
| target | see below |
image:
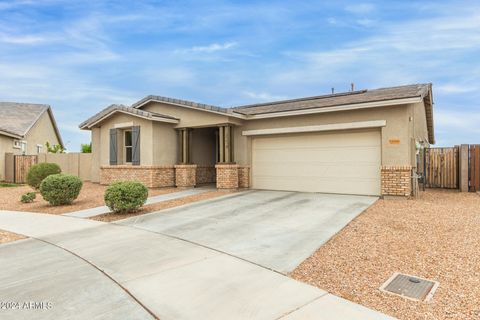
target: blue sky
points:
(80, 57)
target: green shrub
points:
(126, 196)
(60, 189)
(40, 171)
(28, 197)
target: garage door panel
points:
(342, 186)
(347, 162)
(325, 154)
(322, 140)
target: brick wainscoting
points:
(151, 176)
(232, 176)
(396, 180)
(185, 175)
(244, 177)
(206, 174)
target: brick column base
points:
(227, 176)
(185, 175)
(397, 181)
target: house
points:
(24, 129)
(360, 142)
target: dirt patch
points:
(435, 237)
(7, 236)
(91, 196)
(161, 206)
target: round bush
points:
(28, 197)
(126, 196)
(40, 171)
(60, 189)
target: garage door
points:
(335, 162)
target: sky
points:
(81, 56)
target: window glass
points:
(128, 146)
(128, 154)
(128, 138)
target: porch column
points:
(185, 146)
(225, 144)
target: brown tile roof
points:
(332, 100)
(122, 108)
(187, 103)
(363, 96)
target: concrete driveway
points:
(274, 229)
(85, 269)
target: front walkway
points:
(171, 278)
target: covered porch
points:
(206, 156)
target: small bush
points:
(60, 189)
(40, 171)
(28, 197)
(126, 196)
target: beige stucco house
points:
(359, 142)
(24, 129)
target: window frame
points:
(125, 147)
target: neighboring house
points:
(359, 142)
(24, 129)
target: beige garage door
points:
(336, 162)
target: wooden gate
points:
(21, 165)
(441, 168)
(474, 167)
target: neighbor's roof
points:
(114, 108)
(16, 119)
(347, 98)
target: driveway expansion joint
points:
(301, 306)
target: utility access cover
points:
(410, 287)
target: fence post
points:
(463, 168)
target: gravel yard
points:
(436, 237)
(161, 206)
(6, 236)
(91, 196)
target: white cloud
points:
(360, 8)
(450, 88)
(264, 96)
(22, 39)
(211, 47)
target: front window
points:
(128, 146)
(24, 147)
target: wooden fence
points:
(78, 164)
(474, 167)
(21, 164)
(441, 168)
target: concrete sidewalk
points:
(91, 212)
(61, 285)
(175, 279)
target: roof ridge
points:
(25, 103)
(340, 94)
(187, 103)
